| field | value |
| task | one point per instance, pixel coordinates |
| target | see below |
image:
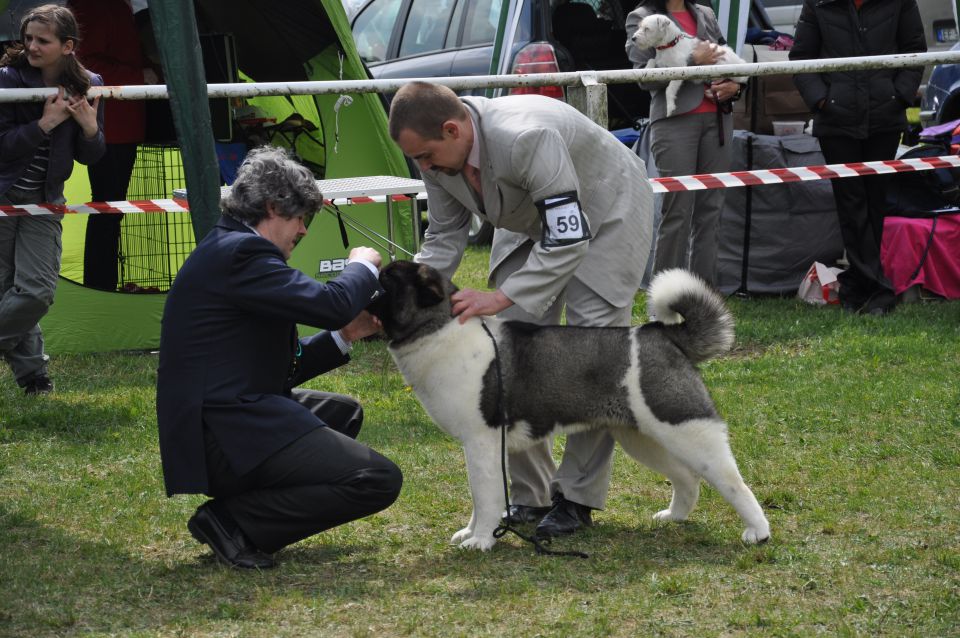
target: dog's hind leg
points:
(703, 446)
(486, 487)
(686, 484)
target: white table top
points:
(364, 186)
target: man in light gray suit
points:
(579, 206)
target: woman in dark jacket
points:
(38, 145)
(859, 116)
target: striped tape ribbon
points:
(660, 185)
(158, 206)
(800, 174)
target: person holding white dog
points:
(694, 139)
(580, 204)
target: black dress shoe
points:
(233, 549)
(40, 384)
(520, 514)
(880, 303)
(566, 517)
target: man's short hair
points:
(269, 174)
(423, 108)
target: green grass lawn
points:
(846, 427)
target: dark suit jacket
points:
(227, 342)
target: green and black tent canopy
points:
(292, 40)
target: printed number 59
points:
(571, 223)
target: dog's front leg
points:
(484, 474)
(673, 88)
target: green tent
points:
(294, 40)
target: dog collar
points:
(672, 44)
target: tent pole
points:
(498, 41)
(175, 27)
(733, 16)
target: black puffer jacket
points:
(858, 103)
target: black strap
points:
(743, 290)
(343, 228)
(926, 249)
(724, 107)
(504, 526)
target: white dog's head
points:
(654, 31)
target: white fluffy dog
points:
(674, 48)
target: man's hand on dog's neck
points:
(471, 303)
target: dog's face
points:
(655, 30)
(416, 300)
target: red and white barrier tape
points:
(97, 208)
(159, 206)
(799, 174)
(659, 184)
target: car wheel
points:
(481, 232)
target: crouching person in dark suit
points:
(280, 463)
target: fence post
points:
(590, 98)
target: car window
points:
(938, 24)
(483, 16)
(426, 27)
(372, 29)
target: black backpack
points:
(925, 193)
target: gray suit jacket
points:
(531, 148)
(691, 93)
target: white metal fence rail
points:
(573, 78)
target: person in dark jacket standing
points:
(859, 116)
(38, 145)
(111, 47)
(280, 462)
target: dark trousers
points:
(319, 481)
(860, 209)
(109, 179)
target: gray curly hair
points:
(270, 174)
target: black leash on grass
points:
(505, 526)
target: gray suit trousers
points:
(584, 473)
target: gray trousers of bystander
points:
(30, 251)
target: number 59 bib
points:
(563, 221)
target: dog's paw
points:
(461, 536)
(483, 543)
(668, 515)
(755, 535)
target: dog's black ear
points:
(430, 290)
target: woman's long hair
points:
(62, 22)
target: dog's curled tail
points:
(695, 317)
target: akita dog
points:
(640, 383)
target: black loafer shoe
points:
(851, 306)
(234, 549)
(566, 517)
(880, 303)
(40, 384)
(520, 514)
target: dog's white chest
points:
(445, 370)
